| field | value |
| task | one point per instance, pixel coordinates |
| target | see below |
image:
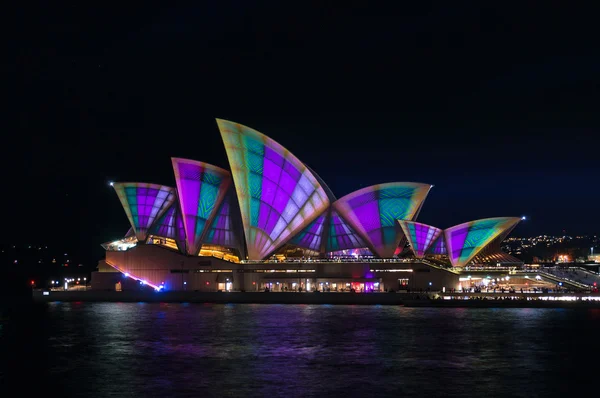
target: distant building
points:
(271, 222)
(594, 257)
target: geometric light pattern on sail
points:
(464, 241)
(201, 188)
(438, 247)
(143, 204)
(170, 225)
(341, 235)
(222, 231)
(375, 210)
(278, 195)
(311, 236)
(420, 236)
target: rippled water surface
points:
(140, 349)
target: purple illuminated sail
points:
(341, 235)
(223, 231)
(464, 241)
(420, 236)
(201, 188)
(170, 225)
(278, 194)
(374, 212)
(143, 204)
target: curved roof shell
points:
(374, 211)
(438, 246)
(464, 241)
(278, 195)
(420, 236)
(223, 229)
(144, 203)
(170, 225)
(201, 188)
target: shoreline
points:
(399, 299)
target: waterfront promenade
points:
(431, 299)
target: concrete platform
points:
(403, 299)
(224, 297)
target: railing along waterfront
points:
(341, 260)
(557, 278)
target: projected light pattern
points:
(279, 200)
(464, 241)
(201, 188)
(129, 275)
(170, 225)
(143, 204)
(374, 212)
(420, 236)
(222, 231)
(341, 235)
(438, 247)
(278, 195)
(311, 236)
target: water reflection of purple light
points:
(312, 350)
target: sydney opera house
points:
(270, 222)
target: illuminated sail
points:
(144, 203)
(278, 194)
(374, 212)
(464, 241)
(201, 188)
(420, 236)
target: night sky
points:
(494, 104)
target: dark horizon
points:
(496, 106)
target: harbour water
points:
(255, 350)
